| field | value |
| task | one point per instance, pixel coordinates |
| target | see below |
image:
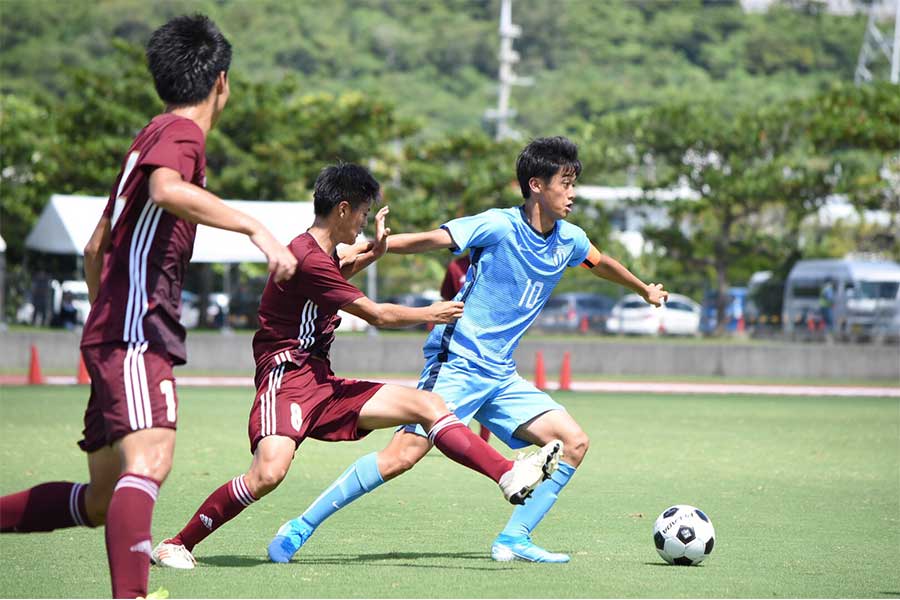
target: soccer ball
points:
(683, 535)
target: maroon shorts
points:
(132, 388)
(308, 401)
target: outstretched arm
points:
(609, 268)
(413, 243)
(394, 315)
(193, 203)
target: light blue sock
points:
(527, 516)
(360, 478)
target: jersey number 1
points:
(531, 294)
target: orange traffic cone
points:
(565, 374)
(540, 377)
(34, 369)
(82, 378)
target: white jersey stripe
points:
(144, 305)
(135, 274)
(307, 324)
(136, 236)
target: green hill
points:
(437, 61)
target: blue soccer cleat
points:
(506, 548)
(289, 539)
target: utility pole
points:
(876, 42)
(503, 114)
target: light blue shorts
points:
(500, 403)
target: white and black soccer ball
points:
(683, 535)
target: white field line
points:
(656, 387)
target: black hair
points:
(185, 56)
(343, 181)
(544, 158)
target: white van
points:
(866, 295)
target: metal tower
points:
(874, 43)
(503, 114)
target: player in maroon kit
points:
(298, 396)
(134, 265)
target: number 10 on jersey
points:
(531, 294)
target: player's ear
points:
(221, 82)
(536, 185)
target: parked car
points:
(73, 291)
(190, 309)
(575, 311)
(633, 316)
(216, 309)
(866, 296)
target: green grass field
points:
(804, 494)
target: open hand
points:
(655, 294)
(379, 247)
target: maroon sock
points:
(463, 445)
(45, 507)
(222, 505)
(128, 545)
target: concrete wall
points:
(231, 354)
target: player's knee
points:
(152, 464)
(265, 479)
(429, 406)
(576, 446)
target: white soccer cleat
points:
(173, 556)
(530, 470)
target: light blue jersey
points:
(513, 272)
(470, 363)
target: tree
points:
(755, 176)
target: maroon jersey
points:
(455, 277)
(139, 299)
(297, 318)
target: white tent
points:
(67, 223)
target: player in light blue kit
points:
(518, 256)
